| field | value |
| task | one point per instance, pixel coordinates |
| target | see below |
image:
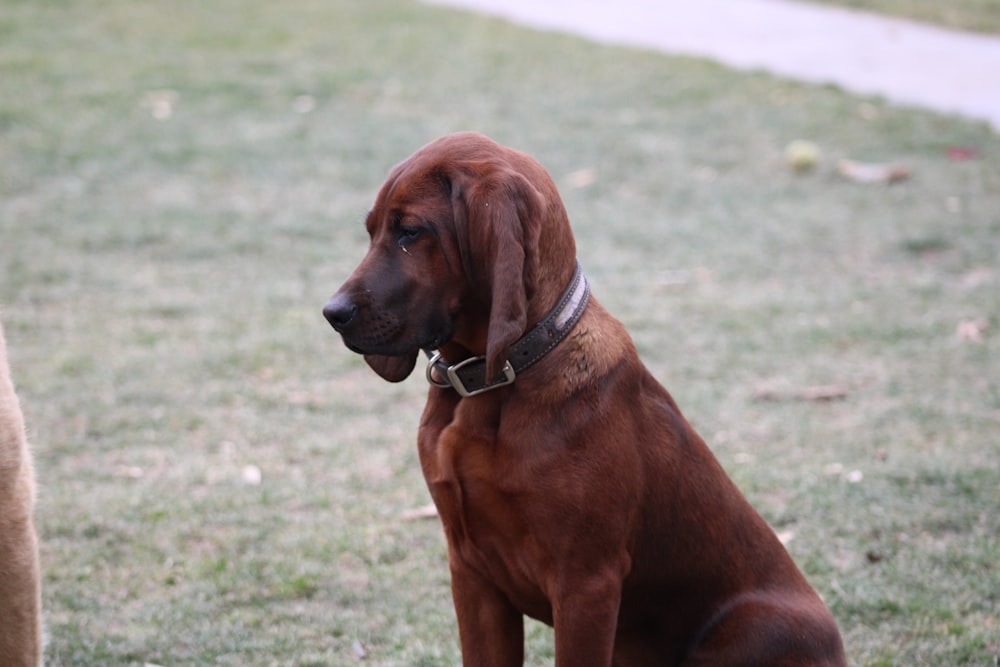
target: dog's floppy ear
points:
(393, 369)
(497, 219)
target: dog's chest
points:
(486, 517)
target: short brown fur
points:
(20, 603)
(579, 495)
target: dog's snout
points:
(340, 311)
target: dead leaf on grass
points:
(425, 512)
(865, 172)
(251, 475)
(972, 331)
(131, 472)
(874, 556)
(816, 394)
(837, 469)
(160, 103)
(962, 153)
(581, 178)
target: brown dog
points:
(20, 621)
(570, 486)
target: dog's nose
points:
(339, 311)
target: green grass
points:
(162, 281)
(973, 15)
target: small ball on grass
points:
(802, 155)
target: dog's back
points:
(20, 624)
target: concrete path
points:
(907, 62)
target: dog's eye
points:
(408, 235)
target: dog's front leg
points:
(490, 627)
(586, 620)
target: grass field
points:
(973, 15)
(183, 184)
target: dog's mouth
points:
(432, 341)
(437, 341)
(353, 348)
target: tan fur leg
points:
(20, 601)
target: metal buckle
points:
(436, 357)
(455, 381)
(508, 377)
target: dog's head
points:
(456, 234)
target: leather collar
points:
(468, 377)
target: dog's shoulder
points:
(598, 347)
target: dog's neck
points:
(468, 376)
